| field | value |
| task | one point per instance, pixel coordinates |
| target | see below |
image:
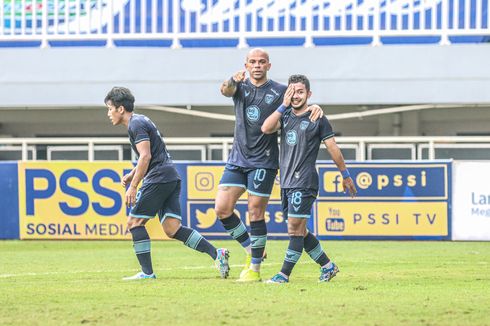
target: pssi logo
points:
(253, 113)
(335, 224)
(42, 184)
(291, 137)
(269, 98)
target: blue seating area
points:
(240, 23)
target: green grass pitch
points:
(380, 283)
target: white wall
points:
(394, 74)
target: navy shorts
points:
(258, 182)
(161, 198)
(298, 202)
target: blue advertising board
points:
(9, 201)
(84, 200)
(395, 200)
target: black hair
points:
(120, 96)
(293, 79)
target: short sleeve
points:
(139, 131)
(326, 131)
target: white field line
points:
(159, 269)
(12, 275)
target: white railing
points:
(362, 146)
(239, 20)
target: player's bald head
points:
(257, 52)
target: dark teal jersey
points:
(161, 168)
(252, 148)
(300, 142)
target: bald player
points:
(254, 158)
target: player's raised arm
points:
(229, 86)
(272, 124)
(338, 158)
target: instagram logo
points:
(204, 181)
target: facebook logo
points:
(332, 181)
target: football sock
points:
(194, 240)
(258, 238)
(314, 249)
(142, 248)
(294, 251)
(238, 231)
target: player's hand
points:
(349, 186)
(126, 179)
(239, 76)
(316, 112)
(130, 198)
(288, 95)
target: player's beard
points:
(300, 106)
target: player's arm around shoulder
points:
(229, 86)
(273, 122)
(338, 158)
(316, 112)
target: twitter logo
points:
(205, 219)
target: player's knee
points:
(296, 233)
(296, 230)
(222, 212)
(256, 212)
(132, 223)
(170, 233)
(170, 227)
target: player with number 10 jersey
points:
(253, 161)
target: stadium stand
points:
(60, 57)
(223, 23)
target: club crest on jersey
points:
(269, 98)
(253, 113)
(304, 125)
(291, 137)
